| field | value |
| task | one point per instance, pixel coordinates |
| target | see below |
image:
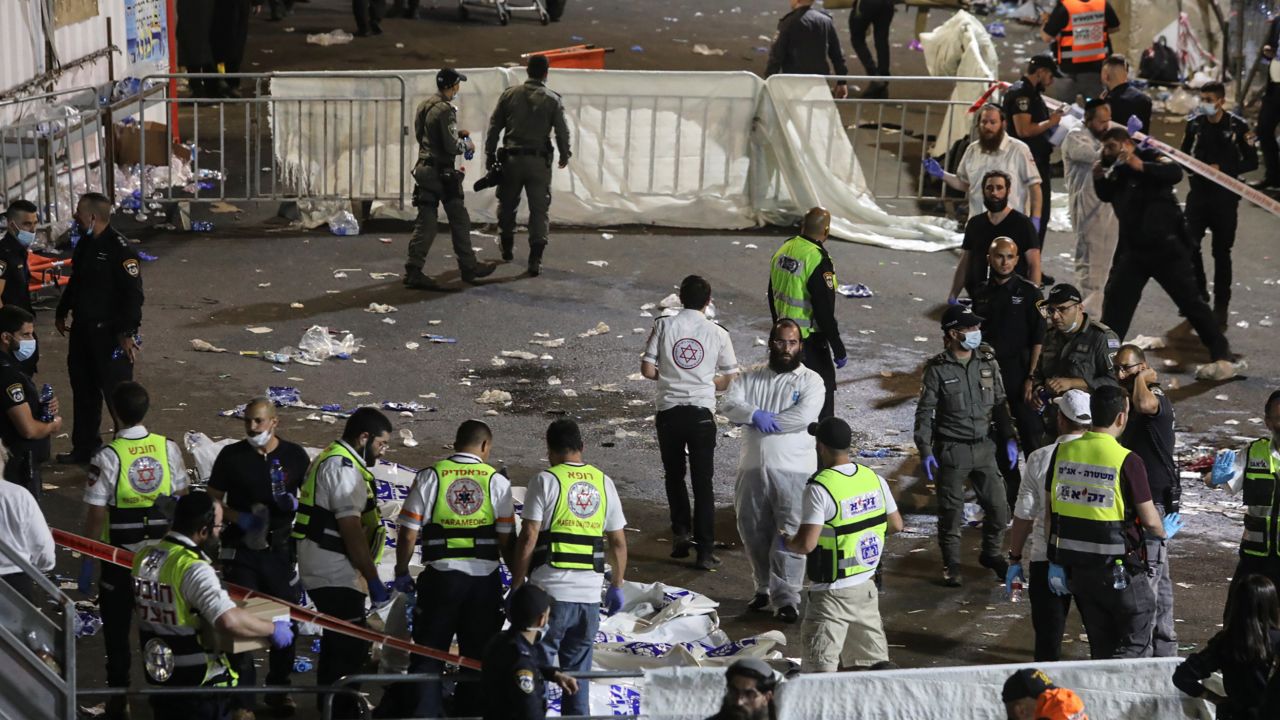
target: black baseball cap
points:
(1093, 102)
(1063, 293)
(832, 432)
(1028, 683)
(1044, 60)
(448, 77)
(528, 603)
(960, 316)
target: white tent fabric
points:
(960, 47)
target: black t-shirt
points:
(18, 389)
(1151, 438)
(1023, 98)
(979, 233)
(13, 270)
(1011, 322)
(244, 474)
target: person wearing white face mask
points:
(256, 481)
(512, 681)
(20, 232)
(21, 429)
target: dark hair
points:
(989, 107)
(21, 206)
(1091, 110)
(1116, 60)
(12, 318)
(98, 203)
(1214, 88)
(784, 323)
(764, 683)
(470, 434)
(1272, 401)
(1105, 405)
(537, 67)
(192, 513)
(695, 292)
(1134, 350)
(365, 420)
(1118, 134)
(563, 435)
(1008, 181)
(131, 402)
(1252, 610)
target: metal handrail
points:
(68, 677)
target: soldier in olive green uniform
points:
(440, 142)
(961, 395)
(1078, 354)
(525, 116)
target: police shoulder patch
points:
(1113, 343)
(524, 679)
(131, 267)
(830, 279)
(16, 393)
(3, 267)
(1024, 103)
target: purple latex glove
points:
(287, 502)
(1035, 223)
(378, 595)
(933, 169)
(1134, 125)
(1011, 453)
(765, 421)
(930, 466)
(841, 362)
(613, 600)
(404, 584)
(281, 634)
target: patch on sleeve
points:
(3, 266)
(16, 393)
(1024, 104)
(1113, 343)
(131, 267)
(830, 279)
(524, 678)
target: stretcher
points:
(504, 8)
(45, 273)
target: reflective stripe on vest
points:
(850, 543)
(143, 477)
(1260, 479)
(166, 620)
(319, 525)
(1088, 514)
(1084, 39)
(789, 273)
(463, 524)
(575, 538)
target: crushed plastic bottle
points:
(88, 619)
(344, 223)
(201, 226)
(278, 487)
(1015, 591)
(46, 397)
(118, 353)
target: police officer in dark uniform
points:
(511, 680)
(1078, 354)
(439, 181)
(104, 301)
(1031, 122)
(1223, 140)
(22, 428)
(1126, 101)
(806, 42)
(1269, 115)
(525, 116)
(15, 278)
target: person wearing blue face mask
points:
(961, 395)
(21, 430)
(20, 232)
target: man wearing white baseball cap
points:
(1048, 611)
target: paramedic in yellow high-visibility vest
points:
(572, 522)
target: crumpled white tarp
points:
(960, 47)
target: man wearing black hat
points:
(847, 512)
(511, 679)
(1078, 354)
(961, 395)
(1031, 122)
(440, 142)
(1096, 227)
(525, 116)
(1029, 694)
(750, 685)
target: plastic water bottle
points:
(46, 397)
(278, 487)
(118, 353)
(410, 604)
(1015, 591)
(1119, 578)
(201, 226)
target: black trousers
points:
(273, 573)
(21, 583)
(817, 357)
(230, 35)
(1119, 623)
(877, 15)
(1219, 215)
(23, 469)
(1045, 169)
(115, 602)
(341, 655)
(1027, 421)
(94, 373)
(691, 429)
(1268, 119)
(1048, 613)
(368, 14)
(1173, 270)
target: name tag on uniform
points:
(1262, 465)
(986, 372)
(1082, 348)
(950, 380)
(1017, 300)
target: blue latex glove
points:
(1224, 466)
(782, 543)
(404, 584)
(765, 421)
(1134, 125)
(287, 502)
(84, 583)
(841, 362)
(613, 600)
(1172, 524)
(953, 300)
(1058, 579)
(378, 595)
(932, 168)
(248, 522)
(281, 634)
(1013, 573)
(930, 466)
(1011, 453)
(1035, 223)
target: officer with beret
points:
(1078, 354)
(961, 395)
(512, 680)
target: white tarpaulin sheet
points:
(1109, 688)
(960, 47)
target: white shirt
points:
(420, 505)
(796, 397)
(820, 508)
(343, 491)
(1031, 496)
(576, 586)
(1013, 157)
(1080, 150)
(689, 350)
(23, 530)
(104, 472)
(201, 587)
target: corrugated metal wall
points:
(22, 43)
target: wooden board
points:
(70, 12)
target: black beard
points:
(779, 363)
(995, 205)
(991, 144)
(212, 547)
(730, 710)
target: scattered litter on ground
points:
(701, 49)
(497, 362)
(389, 321)
(598, 263)
(637, 331)
(202, 346)
(296, 305)
(856, 290)
(558, 342)
(434, 322)
(264, 285)
(1243, 324)
(569, 392)
(636, 377)
(333, 37)
(383, 275)
(607, 387)
(439, 339)
(318, 344)
(518, 355)
(545, 356)
(1146, 342)
(411, 345)
(553, 381)
(380, 308)
(492, 397)
(599, 329)
(1222, 397)
(259, 330)
(606, 236)
(921, 338)
(406, 437)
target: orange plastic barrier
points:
(582, 57)
(46, 272)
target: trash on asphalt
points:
(599, 329)
(557, 342)
(493, 397)
(318, 343)
(202, 346)
(856, 290)
(380, 308)
(406, 437)
(519, 355)
(439, 339)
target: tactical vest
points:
(789, 275)
(319, 524)
(463, 522)
(1261, 471)
(1087, 520)
(143, 478)
(574, 540)
(852, 542)
(1084, 39)
(173, 651)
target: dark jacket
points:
(511, 679)
(1246, 685)
(1228, 144)
(105, 285)
(806, 41)
(1127, 101)
(1150, 218)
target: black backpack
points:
(1160, 64)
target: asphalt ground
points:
(251, 272)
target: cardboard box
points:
(261, 607)
(129, 140)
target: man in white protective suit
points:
(1096, 226)
(777, 401)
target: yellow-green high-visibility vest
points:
(1261, 472)
(789, 273)
(319, 525)
(850, 543)
(574, 540)
(1087, 520)
(143, 478)
(463, 524)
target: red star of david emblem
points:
(146, 475)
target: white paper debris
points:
(259, 330)
(493, 397)
(380, 308)
(606, 236)
(497, 362)
(569, 392)
(1242, 324)
(921, 338)
(202, 346)
(359, 393)
(701, 49)
(383, 275)
(545, 356)
(296, 305)
(607, 387)
(389, 321)
(649, 306)
(558, 342)
(433, 322)
(636, 377)
(553, 381)
(518, 355)
(1223, 398)
(406, 437)
(1147, 342)
(599, 329)
(598, 263)
(750, 246)
(411, 345)
(671, 301)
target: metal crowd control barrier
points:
(38, 660)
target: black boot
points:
(535, 260)
(415, 279)
(508, 248)
(481, 270)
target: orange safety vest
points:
(1084, 39)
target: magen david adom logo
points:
(464, 496)
(583, 499)
(145, 475)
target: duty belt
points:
(516, 152)
(958, 441)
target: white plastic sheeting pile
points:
(960, 47)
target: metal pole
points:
(108, 127)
